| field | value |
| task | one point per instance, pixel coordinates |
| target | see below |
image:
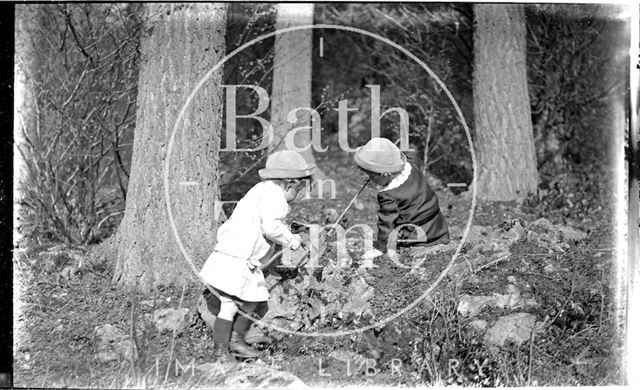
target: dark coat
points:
(414, 201)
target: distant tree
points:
(507, 168)
(292, 77)
(182, 42)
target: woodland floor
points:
(54, 325)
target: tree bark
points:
(507, 167)
(180, 44)
(25, 105)
(292, 77)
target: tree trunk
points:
(181, 43)
(292, 77)
(507, 168)
(24, 112)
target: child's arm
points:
(388, 213)
(273, 211)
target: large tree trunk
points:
(507, 168)
(292, 76)
(181, 43)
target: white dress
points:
(233, 267)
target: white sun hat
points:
(286, 164)
(381, 156)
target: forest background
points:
(90, 72)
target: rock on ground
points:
(470, 306)
(170, 319)
(112, 343)
(433, 250)
(568, 233)
(542, 223)
(248, 376)
(513, 327)
(511, 299)
(517, 232)
(556, 233)
(478, 325)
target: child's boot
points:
(240, 348)
(237, 345)
(222, 355)
(221, 341)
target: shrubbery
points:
(81, 64)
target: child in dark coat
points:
(406, 200)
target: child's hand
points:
(371, 254)
(295, 242)
(254, 263)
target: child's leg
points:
(240, 327)
(242, 323)
(224, 322)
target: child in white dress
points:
(233, 270)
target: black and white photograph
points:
(365, 195)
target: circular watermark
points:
(218, 66)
